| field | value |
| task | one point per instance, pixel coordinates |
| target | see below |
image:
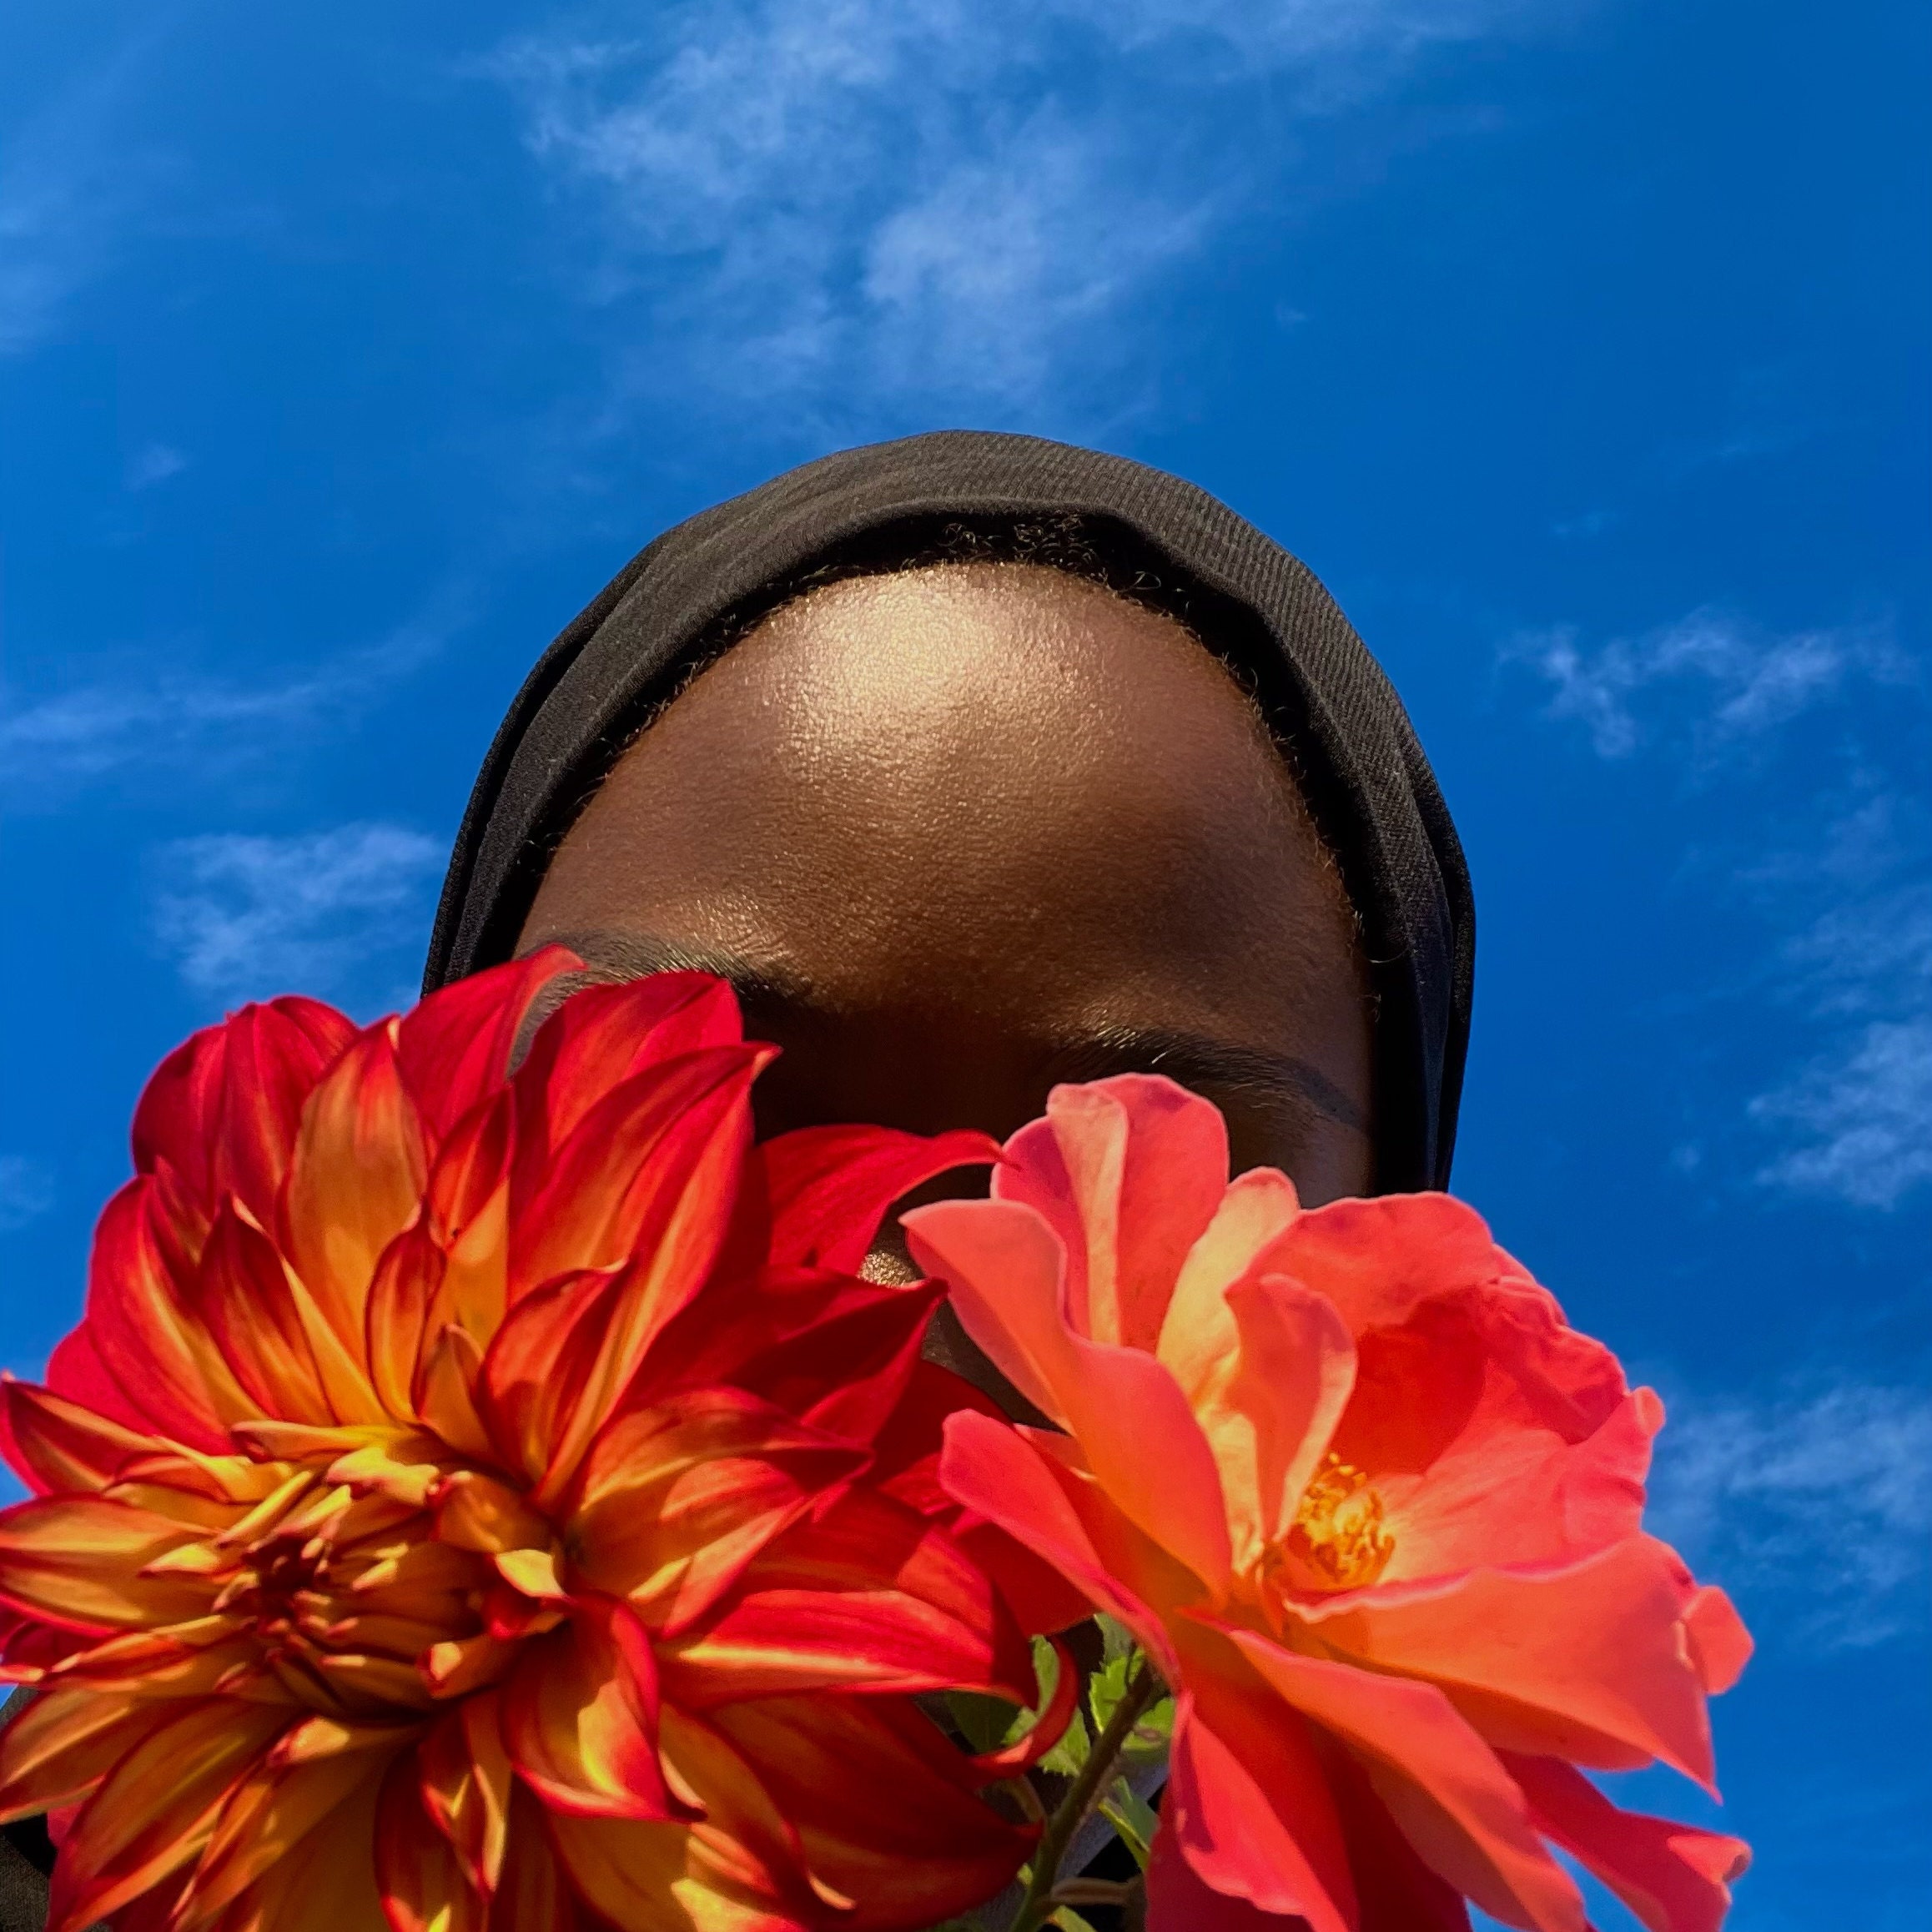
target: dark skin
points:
(957, 834)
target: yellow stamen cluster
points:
(1338, 1532)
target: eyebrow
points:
(1194, 1059)
(1200, 1060)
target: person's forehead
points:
(947, 751)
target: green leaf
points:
(1148, 1743)
(984, 1723)
(1114, 1635)
(1069, 1756)
(1068, 1920)
(1133, 1818)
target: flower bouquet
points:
(485, 1496)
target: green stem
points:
(1039, 1903)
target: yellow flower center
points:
(1338, 1532)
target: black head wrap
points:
(1367, 784)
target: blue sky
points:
(1578, 345)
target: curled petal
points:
(580, 1717)
(1255, 1825)
(454, 1050)
(828, 1188)
(1045, 1730)
(1673, 1877)
(1720, 1646)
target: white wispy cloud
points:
(1819, 1503)
(1709, 676)
(147, 719)
(67, 190)
(249, 916)
(1860, 1117)
(155, 463)
(1853, 1121)
(839, 199)
(26, 1190)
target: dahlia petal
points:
(156, 1349)
(243, 1295)
(674, 1500)
(538, 1365)
(841, 1352)
(607, 1034)
(652, 1174)
(580, 1715)
(324, 1883)
(828, 1188)
(356, 1179)
(466, 1779)
(420, 1877)
(407, 1278)
(77, 1561)
(1720, 1646)
(446, 1393)
(1673, 1877)
(76, 1370)
(1249, 1810)
(469, 1213)
(1128, 1172)
(868, 1598)
(269, 1814)
(62, 1745)
(57, 1444)
(634, 1874)
(1440, 1781)
(1124, 1406)
(157, 1808)
(880, 1805)
(1558, 1663)
(475, 1512)
(222, 1110)
(454, 1048)
(532, 1894)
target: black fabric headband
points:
(1368, 785)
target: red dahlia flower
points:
(1370, 1507)
(461, 1507)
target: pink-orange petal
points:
(1440, 1781)
(1673, 1877)
(1124, 1408)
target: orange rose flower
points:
(461, 1505)
(1369, 1505)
